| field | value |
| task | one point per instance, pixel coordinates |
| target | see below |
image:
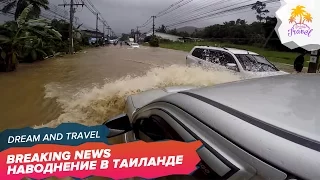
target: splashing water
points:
(93, 106)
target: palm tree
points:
(292, 19)
(298, 12)
(22, 4)
(307, 17)
(25, 37)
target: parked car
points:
(134, 45)
(258, 129)
(242, 61)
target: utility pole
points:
(72, 11)
(137, 34)
(109, 29)
(104, 33)
(270, 35)
(313, 63)
(103, 30)
(97, 27)
(153, 17)
(71, 27)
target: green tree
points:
(173, 32)
(241, 22)
(124, 37)
(261, 10)
(154, 41)
(20, 5)
(62, 27)
(25, 38)
(162, 29)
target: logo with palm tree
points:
(299, 18)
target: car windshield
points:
(255, 63)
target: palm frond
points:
(41, 52)
(55, 33)
(25, 40)
(35, 13)
(4, 39)
(37, 32)
(24, 15)
(40, 3)
(21, 5)
(27, 37)
(39, 42)
(38, 22)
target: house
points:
(92, 34)
(165, 36)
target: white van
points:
(241, 61)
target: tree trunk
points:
(8, 64)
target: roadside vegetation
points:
(29, 38)
(272, 55)
(258, 36)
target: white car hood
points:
(248, 74)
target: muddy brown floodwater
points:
(22, 101)
(92, 86)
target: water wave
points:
(92, 106)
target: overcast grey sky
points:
(124, 15)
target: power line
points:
(224, 15)
(188, 12)
(96, 12)
(146, 23)
(206, 15)
(179, 6)
(163, 12)
(196, 18)
(210, 11)
(168, 8)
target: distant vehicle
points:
(241, 61)
(131, 40)
(134, 45)
(258, 129)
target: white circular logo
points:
(299, 24)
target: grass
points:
(273, 56)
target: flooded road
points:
(92, 86)
(23, 92)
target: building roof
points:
(164, 35)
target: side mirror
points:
(232, 66)
(118, 125)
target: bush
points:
(154, 42)
(165, 41)
(147, 39)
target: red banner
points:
(136, 159)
